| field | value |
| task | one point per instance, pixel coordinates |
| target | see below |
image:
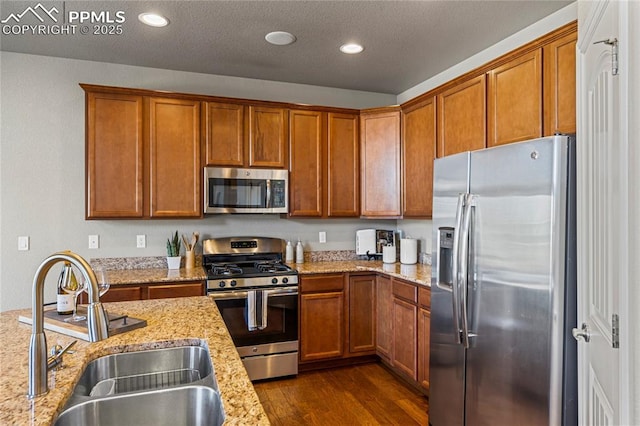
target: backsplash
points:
(160, 262)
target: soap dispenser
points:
(299, 252)
(289, 253)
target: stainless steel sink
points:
(186, 405)
(144, 370)
(171, 386)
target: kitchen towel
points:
(408, 251)
(256, 310)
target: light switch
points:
(322, 236)
(23, 243)
(141, 241)
(94, 241)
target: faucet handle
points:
(56, 355)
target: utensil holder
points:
(190, 259)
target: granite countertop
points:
(153, 275)
(170, 322)
(418, 273)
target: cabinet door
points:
(224, 134)
(424, 336)
(321, 326)
(515, 100)
(405, 350)
(380, 164)
(384, 316)
(418, 152)
(117, 294)
(307, 141)
(343, 172)
(114, 156)
(174, 164)
(559, 58)
(362, 314)
(462, 117)
(175, 290)
(268, 137)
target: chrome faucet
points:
(97, 323)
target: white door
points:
(602, 215)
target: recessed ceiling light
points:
(153, 19)
(351, 48)
(280, 38)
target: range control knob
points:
(222, 284)
(233, 283)
(274, 281)
(285, 280)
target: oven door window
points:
(237, 193)
(282, 320)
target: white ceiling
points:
(406, 42)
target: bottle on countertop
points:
(299, 252)
(65, 301)
(289, 253)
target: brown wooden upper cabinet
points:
(324, 164)
(462, 115)
(418, 152)
(308, 169)
(268, 137)
(380, 162)
(114, 156)
(559, 59)
(143, 156)
(174, 158)
(515, 100)
(343, 161)
(224, 134)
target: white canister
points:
(408, 251)
(389, 254)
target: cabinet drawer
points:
(405, 291)
(424, 297)
(318, 283)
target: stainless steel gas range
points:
(257, 295)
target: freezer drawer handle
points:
(582, 333)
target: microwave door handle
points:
(268, 203)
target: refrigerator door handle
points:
(455, 264)
(463, 265)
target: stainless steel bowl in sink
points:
(142, 371)
(186, 405)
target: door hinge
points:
(615, 331)
(613, 42)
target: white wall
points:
(42, 166)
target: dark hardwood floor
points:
(365, 394)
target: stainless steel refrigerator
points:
(503, 288)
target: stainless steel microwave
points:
(233, 190)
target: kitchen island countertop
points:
(170, 322)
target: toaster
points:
(369, 242)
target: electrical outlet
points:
(322, 236)
(23, 243)
(94, 241)
(141, 241)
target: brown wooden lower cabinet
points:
(344, 316)
(361, 314)
(384, 311)
(123, 293)
(404, 353)
(321, 317)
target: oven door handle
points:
(243, 294)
